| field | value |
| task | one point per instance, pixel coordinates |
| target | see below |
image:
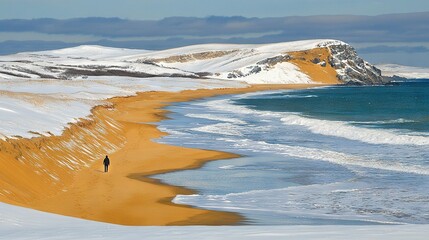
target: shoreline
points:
(116, 197)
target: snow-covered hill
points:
(37, 86)
(268, 63)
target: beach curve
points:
(127, 195)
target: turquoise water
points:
(334, 155)
(404, 105)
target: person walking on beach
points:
(106, 163)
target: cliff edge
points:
(309, 61)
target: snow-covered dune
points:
(46, 106)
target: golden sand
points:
(126, 195)
(318, 73)
(64, 174)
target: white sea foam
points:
(344, 201)
(227, 167)
(220, 128)
(300, 96)
(324, 127)
(330, 201)
(392, 121)
(289, 96)
(226, 105)
(359, 195)
(364, 191)
(171, 131)
(330, 128)
(326, 155)
(273, 95)
(345, 130)
(345, 190)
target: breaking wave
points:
(345, 130)
(327, 156)
(335, 201)
(220, 128)
(331, 128)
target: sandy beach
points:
(63, 174)
(126, 194)
(214, 120)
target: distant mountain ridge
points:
(394, 71)
(306, 61)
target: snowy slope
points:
(250, 63)
(267, 63)
(20, 223)
(46, 106)
(390, 70)
(37, 86)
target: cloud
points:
(384, 38)
(393, 49)
(411, 27)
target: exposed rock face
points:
(351, 68)
(250, 70)
(265, 65)
(309, 61)
(195, 56)
(274, 60)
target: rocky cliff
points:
(351, 68)
(292, 62)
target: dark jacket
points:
(106, 161)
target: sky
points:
(382, 31)
(158, 9)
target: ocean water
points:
(331, 155)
